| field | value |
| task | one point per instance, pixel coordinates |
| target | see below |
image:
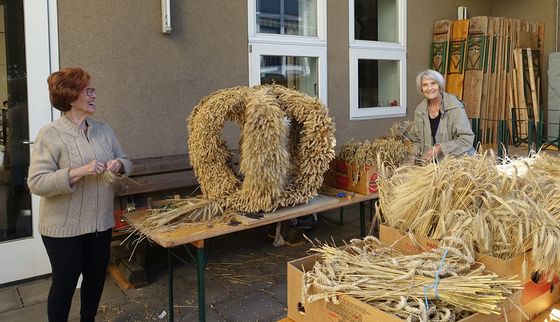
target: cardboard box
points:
(536, 296)
(353, 310)
(342, 175)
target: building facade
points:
(360, 57)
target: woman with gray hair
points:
(441, 125)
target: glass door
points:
(24, 67)
(15, 200)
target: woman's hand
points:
(93, 168)
(115, 166)
(433, 153)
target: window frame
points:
(264, 44)
(377, 50)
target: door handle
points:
(27, 142)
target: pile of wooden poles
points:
(494, 65)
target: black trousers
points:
(84, 254)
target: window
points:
(377, 58)
(287, 17)
(287, 45)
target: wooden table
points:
(196, 235)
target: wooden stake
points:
(533, 85)
(475, 62)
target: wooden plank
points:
(533, 85)
(540, 41)
(515, 98)
(271, 216)
(157, 182)
(118, 278)
(509, 81)
(476, 59)
(457, 55)
(486, 89)
(524, 40)
(522, 107)
(492, 78)
(161, 173)
(502, 103)
(153, 165)
(132, 273)
(168, 163)
(499, 93)
(514, 88)
(440, 46)
(189, 234)
(496, 107)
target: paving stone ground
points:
(245, 281)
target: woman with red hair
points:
(76, 212)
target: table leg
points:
(362, 219)
(200, 262)
(170, 283)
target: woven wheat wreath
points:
(287, 142)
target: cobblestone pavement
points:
(245, 281)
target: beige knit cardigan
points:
(87, 206)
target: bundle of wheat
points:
(401, 130)
(498, 212)
(390, 150)
(543, 176)
(431, 286)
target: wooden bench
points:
(150, 175)
(158, 174)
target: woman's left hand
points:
(433, 153)
(114, 166)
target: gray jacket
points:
(454, 133)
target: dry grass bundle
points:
(400, 130)
(287, 144)
(111, 177)
(544, 178)
(390, 150)
(432, 286)
(179, 212)
(498, 212)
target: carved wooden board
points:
(457, 54)
(440, 46)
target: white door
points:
(28, 42)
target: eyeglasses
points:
(89, 91)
